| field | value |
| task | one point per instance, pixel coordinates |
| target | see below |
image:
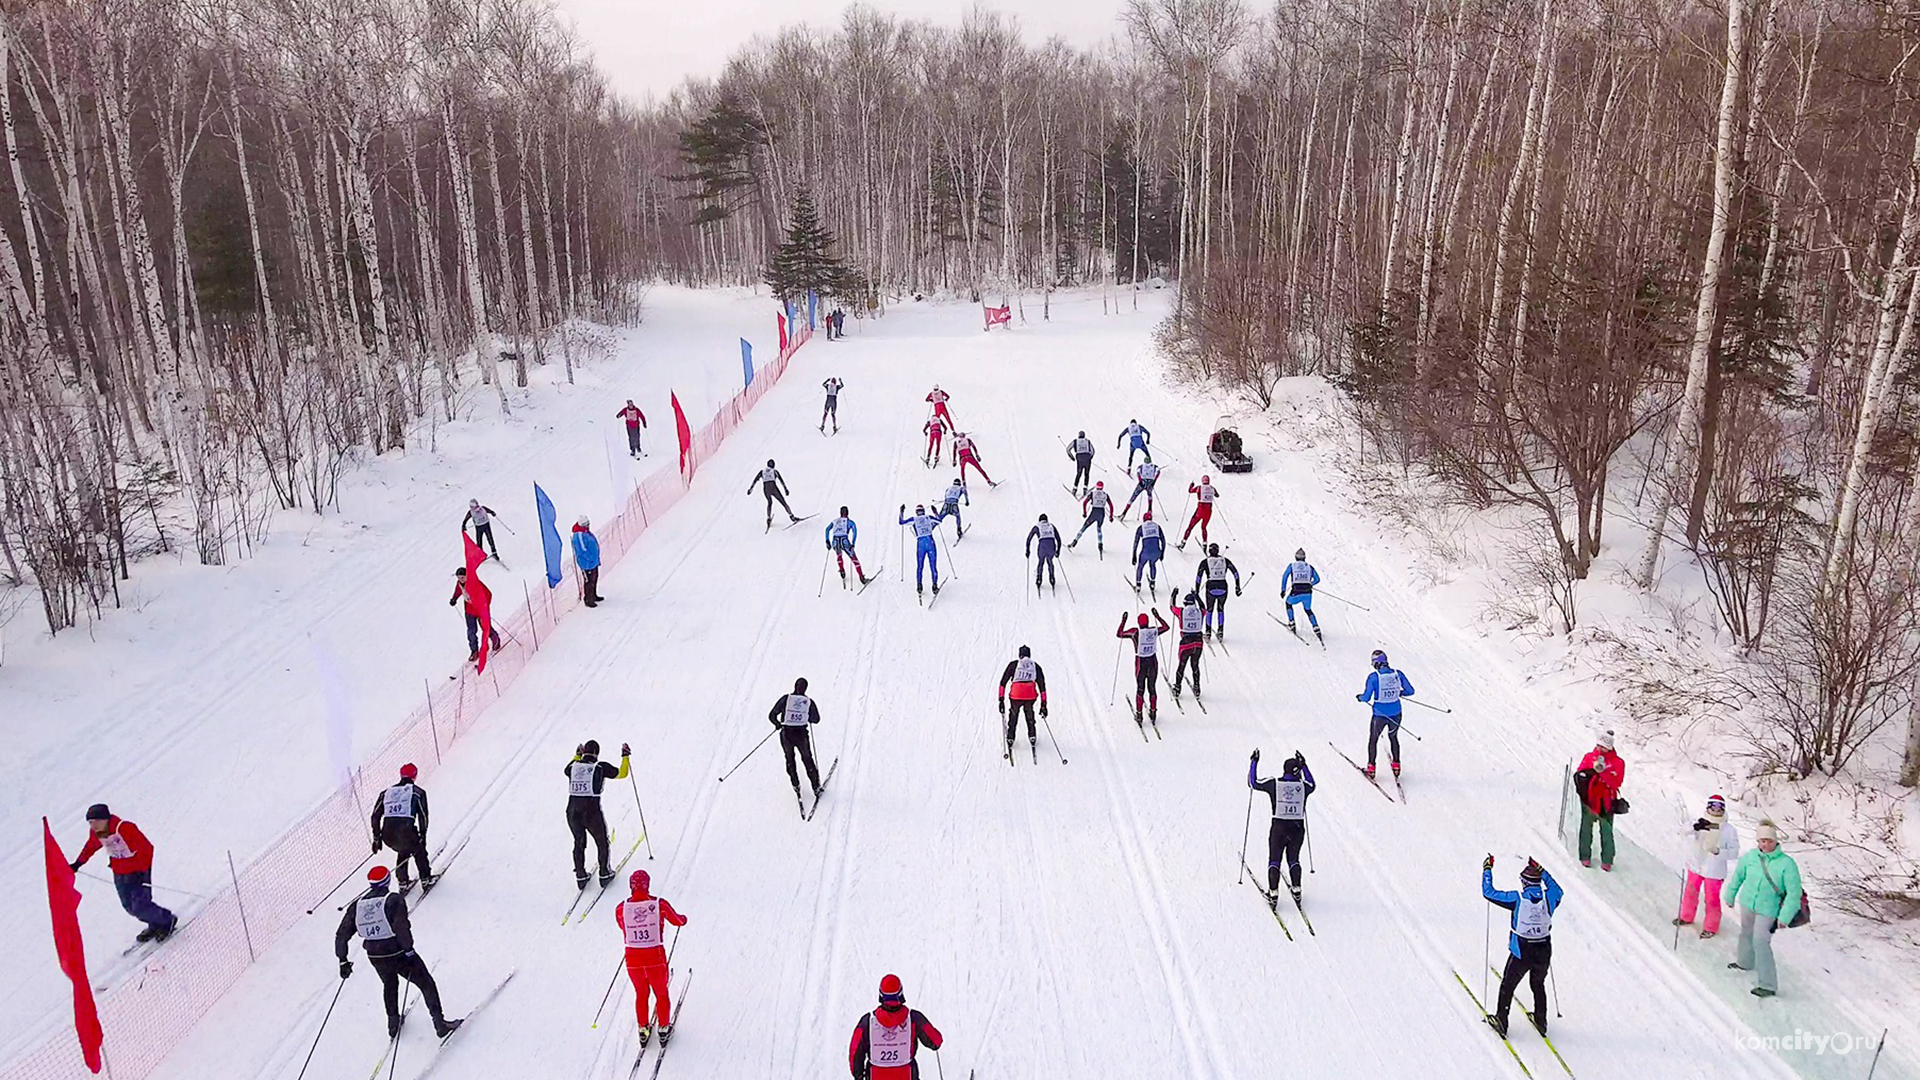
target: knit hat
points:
(1767, 830)
(1024, 651)
(378, 875)
(799, 686)
(891, 992)
(590, 748)
(639, 882)
(409, 771)
(1532, 873)
(583, 522)
(98, 812)
(1605, 741)
(1717, 805)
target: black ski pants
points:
(1532, 963)
(773, 495)
(1013, 720)
(1189, 661)
(1283, 846)
(404, 838)
(483, 537)
(795, 739)
(1146, 685)
(585, 818)
(1390, 725)
(408, 966)
(1217, 605)
(1082, 470)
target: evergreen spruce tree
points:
(805, 262)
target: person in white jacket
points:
(1716, 844)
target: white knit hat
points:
(1767, 830)
(1605, 741)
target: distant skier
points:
(1210, 580)
(832, 407)
(1288, 793)
(1297, 582)
(400, 822)
(1529, 940)
(1385, 687)
(1149, 544)
(1049, 538)
(1097, 505)
(1144, 479)
(938, 399)
(950, 501)
(379, 919)
(886, 1039)
(1136, 437)
(1081, 451)
(586, 556)
(1187, 616)
(934, 429)
(130, 859)
(1204, 493)
(643, 918)
(1029, 688)
(772, 485)
(473, 616)
(635, 421)
(1146, 662)
(793, 714)
(481, 518)
(967, 454)
(924, 553)
(842, 534)
(586, 775)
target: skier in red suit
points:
(886, 1039)
(643, 920)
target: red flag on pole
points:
(479, 597)
(64, 900)
(685, 433)
(782, 319)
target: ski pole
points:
(644, 834)
(182, 892)
(1307, 831)
(1114, 694)
(952, 570)
(323, 1026)
(750, 753)
(903, 550)
(1424, 705)
(1056, 742)
(336, 885)
(604, 997)
(1556, 989)
(824, 563)
(1677, 911)
(1061, 565)
(1036, 581)
(1486, 946)
(1409, 731)
(1340, 598)
(1246, 830)
(941, 1064)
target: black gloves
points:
(346, 968)
(1256, 753)
(1003, 706)
(1043, 710)
(1488, 865)
(376, 845)
(74, 866)
(626, 750)
(1702, 825)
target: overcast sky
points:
(645, 54)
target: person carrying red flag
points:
(643, 920)
(130, 857)
(886, 1039)
(472, 609)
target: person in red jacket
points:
(935, 428)
(1202, 510)
(643, 920)
(938, 399)
(473, 616)
(1029, 688)
(886, 1039)
(1605, 773)
(130, 857)
(635, 421)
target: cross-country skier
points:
(586, 775)
(1288, 792)
(1529, 941)
(967, 454)
(400, 822)
(1029, 686)
(1081, 451)
(1385, 687)
(643, 918)
(938, 399)
(1210, 580)
(1187, 616)
(1144, 477)
(842, 534)
(130, 859)
(1149, 544)
(473, 616)
(792, 715)
(771, 485)
(1146, 662)
(1205, 493)
(379, 919)
(1049, 538)
(1097, 505)
(832, 407)
(635, 421)
(934, 429)
(586, 556)
(1297, 582)
(924, 553)
(885, 1040)
(481, 518)
(1136, 437)
(950, 501)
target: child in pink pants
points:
(1716, 844)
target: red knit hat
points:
(891, 992)
(639, 881)
(409, 771)
(378, 875)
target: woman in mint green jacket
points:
(1766, 884)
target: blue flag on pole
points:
(813, 311)
(746, 359)
(549, 535)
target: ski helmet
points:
(891, 992)
(377, 877)
(843, 511)
(99, 812)
(1291, 767)
(639, 882)
(590, 748)
(1143, 618)
(1205, 479)
(1043, 517)
(769, 463)
(956, 481)
(1146, 515)
(1025, 652)
(1300, 553)
(799, 686)
(919, 508)
(1133, 421)
(1192, 597)
(1380, 659)
(475, 503)
(409, 771)
(460, 571)
(1082, 435)
(1213, 549)
(1101, 484)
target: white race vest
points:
(954, 492)
(1149, 530)
(1531, 919)
(1206, 493)
(922, 526)
(370, 918)
(889, 1047)
(1300, 575)
(1192, 619)
(797, 708)
(1290, 799)
(1100, 500)
(769, 476)
(1134, 431)
(580, 779)
(1081, 447)
(1024, 669)
(1148, 472)
(1146, 642)
(1216, 567)
(841, 527)
(963, 445)
(397, 801)
(640, 922)
(479, 514)
(1047, 531)
(1389, 687)
(116, 846)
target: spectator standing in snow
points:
(130, 857)
(481, 518)
(586, 556)
(1604, 773)
(473, 616)
(1766, 885)
(635, 421)
(1716, 843)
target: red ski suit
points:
(647, 967)
(939, 400)
(859, 1059)
(140, 859)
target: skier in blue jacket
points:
(1296, 583)
(586, 556)
(924, 554)
(1529, 940)
(842, 534)
(1136, 436)
(1049, 537)
(1149, 544)
(1385, 688)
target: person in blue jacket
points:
(950, 501)
(842, 534)
(1296, 583)
(586, 556)
(1529, 940)
(924, 553)
(1288, 793)
(1149, 544)
(1385, 688)
(1136, 436)
(1049, 537)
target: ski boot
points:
(1498, 1024)
(1007, 751)
(394, 1021)
(1318, 634)
(1396, 770)
(1540, 1025)
(1295, 890)
(444, 1027)
(1369, 770)
(1033, 746)
(427, 884)
(580, 879)
(864, 579)
(1273, 903)
(666, 1033)
(147, 934)
(1291, 629)
(816, 791)
(606, 876)
(936, 588)
(646, 1036)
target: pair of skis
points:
(1273, 904)
(601, 890)
(679, 998)
(1292, 629)
(1517, 1059)
(1377, 786)
(390, 1061)
(806, 814)
(795, 521)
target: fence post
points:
(432, 725)
(531, 628)
(234, 875)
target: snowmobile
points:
(1225, 451)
